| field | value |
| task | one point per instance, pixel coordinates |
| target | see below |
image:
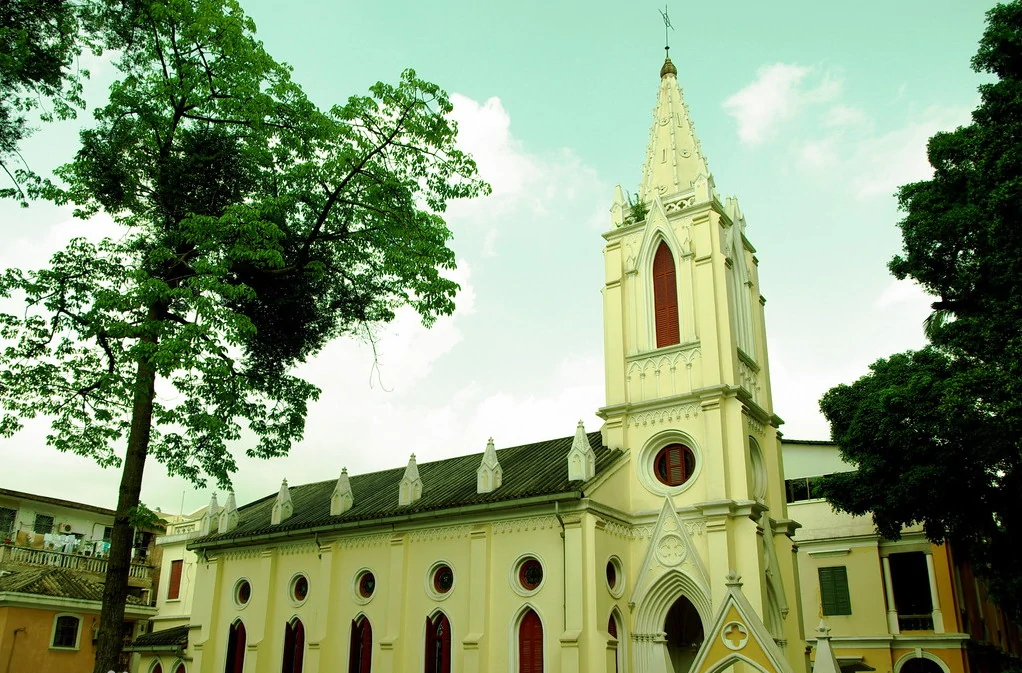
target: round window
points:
(300, 588)
(366, 585)
(242, 592)
(615, 577)
(443, 579)
(674, 464)
(530, 574)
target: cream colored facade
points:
(637, 574)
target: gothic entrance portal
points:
(684, 631)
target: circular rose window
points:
(366, 585)
(530, 574)
(300, 588)
(674, 464)
(242, 592)
(443, 579)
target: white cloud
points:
(777, 94)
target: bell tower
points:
(688, 387)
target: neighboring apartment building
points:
(904, 606)
(52, 564)
(165, 648)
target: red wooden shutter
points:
(438, 645)
(367, 647)
(235, 649)
(665, 298)
(287, 665)
(174, 586)
(612, 630)
(530, 644)
(299, 651)
(676, 464)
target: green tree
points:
(256, 228)
(937, 434)
(40, 41)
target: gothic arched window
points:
(294, 647)
(235, 648)
(665, 297)
(530, 644)
(361, 657)
(438, 644)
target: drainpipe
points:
(564, 568)
(14, 641)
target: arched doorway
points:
(920, 665)
(684, 631)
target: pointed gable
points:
(228, 519)
(410, 488)
(581, 458)
(342, 498)
(210, 518)
(282, 507)
(671, 552)
(738, 634)
(489, 476)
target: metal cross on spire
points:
(667, 25)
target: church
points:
(658, 543)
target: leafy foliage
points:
(39, 42)
(937, 434)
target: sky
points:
(811, 113)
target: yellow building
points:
(659, 543)
(904, 606)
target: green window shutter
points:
(834, 591)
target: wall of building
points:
(30, 651)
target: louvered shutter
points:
(665, 298)
(530, 644)
(834, 591)
(174, 586)
(366, 645)
(299, 647)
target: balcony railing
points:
(59, 559)
(915, 622)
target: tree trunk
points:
(115, 591)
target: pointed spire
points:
(228, 515)
(489, 475)
(673, 157)
(342, 498)
(826, 660)
(210, 518)
(411, 485)
(619, 208)
(282, 507)
(581, 458)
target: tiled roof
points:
(56, 582)
(8, 493)
(531, 470)
(173, 637)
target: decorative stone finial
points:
(581, 458)
(826, 660)
(411, 485)
(733, 579)
(228, 515)
(282, 508)
(210, 518)
(619, 207)
(489, 475)
(668, 68)
(342, 498)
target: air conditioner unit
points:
(65, 528)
